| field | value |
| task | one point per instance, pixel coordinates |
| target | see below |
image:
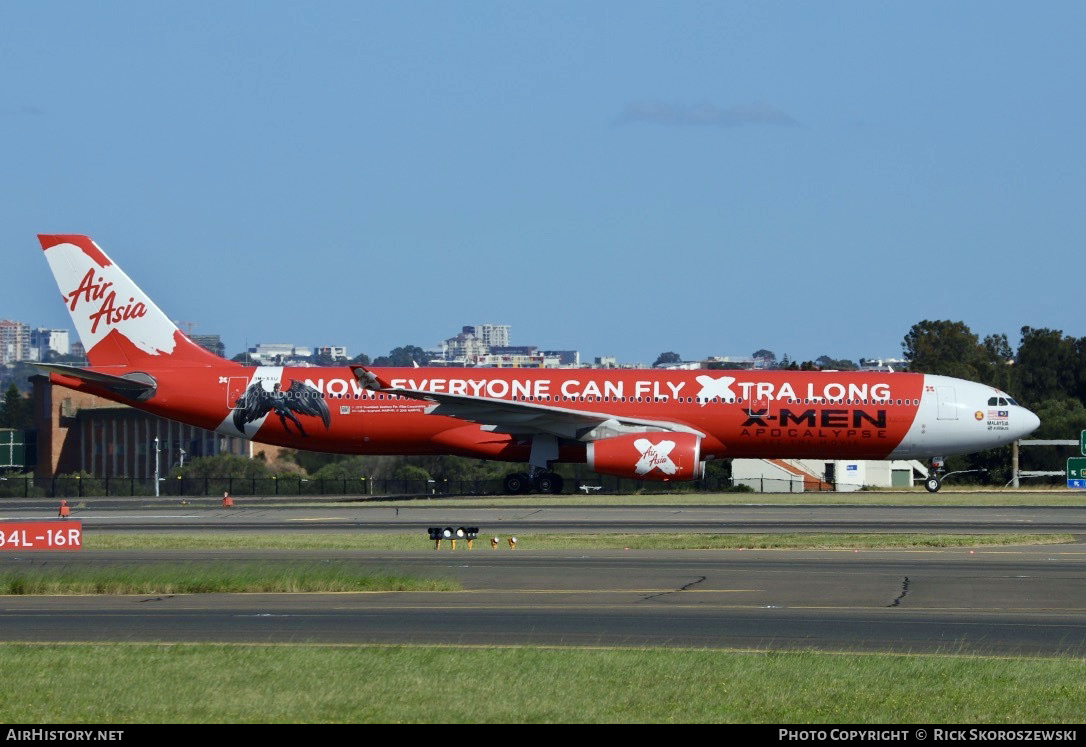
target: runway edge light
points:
(470, 533)
(439, 533)
(436, 534)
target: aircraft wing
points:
(524, 418)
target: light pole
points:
(156, 466)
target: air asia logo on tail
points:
(299, 398)
(94, 292)
(655, 456)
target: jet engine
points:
(656, 455)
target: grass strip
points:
(219, 683)
(794, 541)
(203, 578)
(419, 541)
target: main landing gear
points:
(539, 478)
(520, 483)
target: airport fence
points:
(293, 486)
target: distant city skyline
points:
(500, 333)
(619, 179)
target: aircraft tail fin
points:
(118, 324)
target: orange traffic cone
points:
(227, 501)
(65, 510)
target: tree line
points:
(1047, 374)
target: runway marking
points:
(142, 517)
(587, 591)
(327, 518)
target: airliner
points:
(643, 424)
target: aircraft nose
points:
(1029, 423)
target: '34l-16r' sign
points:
(41, 535)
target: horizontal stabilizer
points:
(132, 384)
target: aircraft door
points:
(758, 407)
(235, 390)
(948, 404)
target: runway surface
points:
(135, 516)
(1017, 600)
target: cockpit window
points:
(1012, 401)
(991, 401)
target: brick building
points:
(79, 432)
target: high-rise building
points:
(332, 352)
(465, 346)
(44, 341)
(492, 335)
(14, 341)
(212, 343)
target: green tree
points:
(348, 468)
(838, 364)
(667, 358)
(1061, 418)
(409, 472)
(407, 356)
(947, 348)
(999, 360)
(311, 461)
(1048, 366)
(15, 412)
(226, 465)
(768, 356)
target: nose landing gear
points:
(933, 483)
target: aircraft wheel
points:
(549, 482)
(932, 484)
(517, 483)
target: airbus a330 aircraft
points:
(647, 424)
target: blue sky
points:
(620, 178)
